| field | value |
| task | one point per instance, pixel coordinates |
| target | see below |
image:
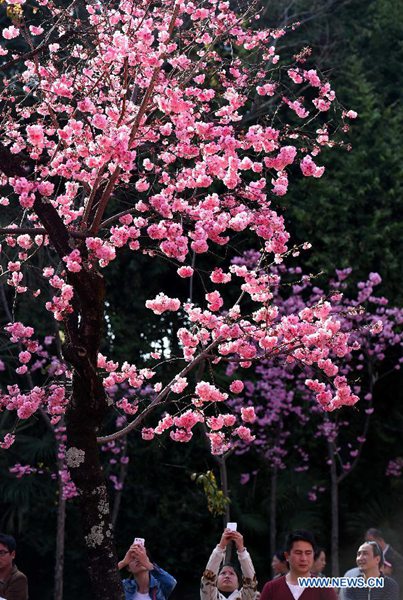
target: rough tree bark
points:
(83, 420)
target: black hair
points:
(319, 549)
(376, 533)
(279, 554)
(8, 541)
(377, 551)
(300, 535)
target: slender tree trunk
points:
(84, 417)
(334, 495)
(60, 536)
(118, 496)
(222, 461)
(273, 512)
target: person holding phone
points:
(225, 582)
(148, 581)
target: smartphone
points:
(139, 541)
(232, 526)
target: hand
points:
(237, 537)
(125, 561)
(225, 538)
(138, 552)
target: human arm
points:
(17, 588)
(208, 584)
(249, 582)
(166, 582)
(136, 551)
(125, 560)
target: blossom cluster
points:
(195, 128)
(145, 143)
(282, 395)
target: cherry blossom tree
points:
(125, 127)
(280, 395)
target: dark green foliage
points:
(352, 216)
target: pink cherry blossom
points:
(185, 272)
(248, 414)
(310, 169)
(236, 386)
(11, 32)
(163, 303)
(147, 433)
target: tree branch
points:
(38, 231)
(103, 202)
(138, 420)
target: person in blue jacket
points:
(148, 581)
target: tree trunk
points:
(222, 462)
(61, 522)
(86, 471)
(84, 417)
(224, 486)
(273, 512)
(334, 495)
(118, 496)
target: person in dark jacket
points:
(369, 563)
(13, 583)
(390, 555)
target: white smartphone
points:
(232, 526)
(139, 541)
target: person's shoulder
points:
(129, 584)
(393, 554)
(274, 588)
(276, 583)
(159, 571)
(354, 572)
(16, 574)
(390, 583)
